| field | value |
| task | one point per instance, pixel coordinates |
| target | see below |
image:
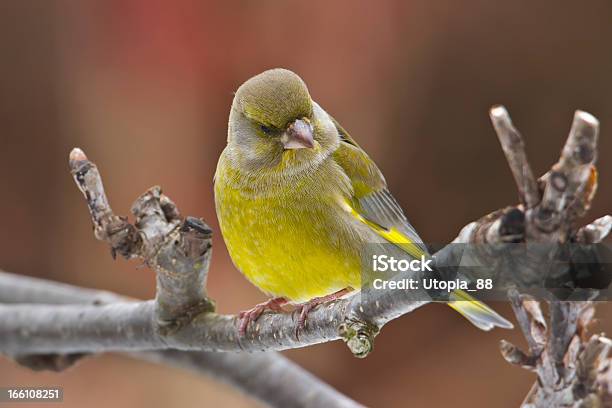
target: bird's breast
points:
(295, 239)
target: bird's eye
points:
(265, 129)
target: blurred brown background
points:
(144, 87)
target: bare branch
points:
(131, 326)
(565, 362)
(558, 349)
(514, 149)
(569, 366)
(269, 377)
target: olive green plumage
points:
(298, 200)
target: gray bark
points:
(268, 377)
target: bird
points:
(298, 201)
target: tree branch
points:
(571, 368)
(268, 377)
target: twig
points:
(514, 148)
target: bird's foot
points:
(306, 307)
(248, 316)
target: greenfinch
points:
(298, 201)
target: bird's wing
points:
(372, 201)
(373, 205)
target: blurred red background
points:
(144, 87)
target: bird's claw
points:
(248, 316)
(305, 308)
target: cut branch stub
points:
(516, 356)
(596, 231)
(358, 336)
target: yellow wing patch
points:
(392, 235)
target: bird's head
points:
(274, 122)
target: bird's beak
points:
(298, 135)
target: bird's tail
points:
(479, 314)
